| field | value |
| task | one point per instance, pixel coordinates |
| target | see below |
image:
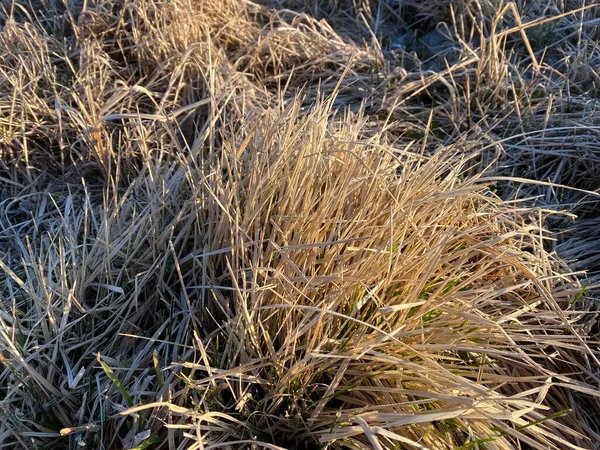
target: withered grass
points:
(235, 224)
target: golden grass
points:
(236, 224)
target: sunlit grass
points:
(236, 224)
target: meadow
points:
(287, 224)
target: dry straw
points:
(235, 224)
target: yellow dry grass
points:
(339, 224)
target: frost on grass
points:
(253, 225)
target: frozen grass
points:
(235, 224)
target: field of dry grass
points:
(283, 224)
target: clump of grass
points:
(419, 320)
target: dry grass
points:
(236, 224)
